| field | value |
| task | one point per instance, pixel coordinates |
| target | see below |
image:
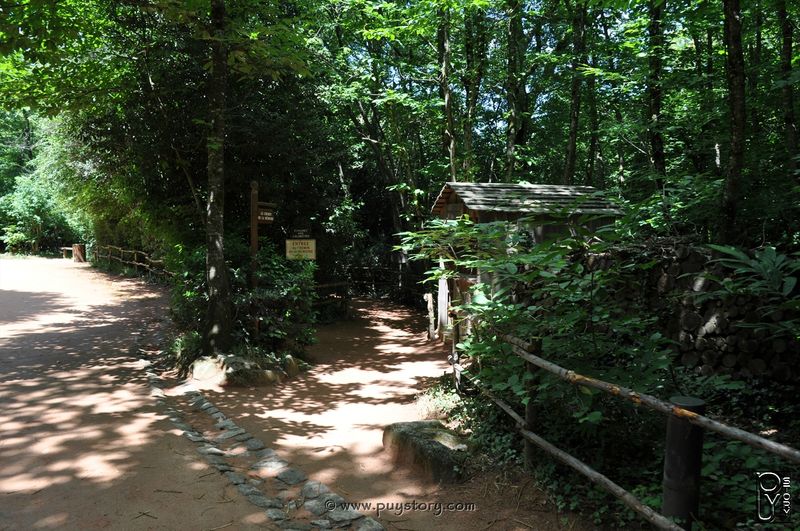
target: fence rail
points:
(524, 425)
(139, 260)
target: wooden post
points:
(431, 317)
(529, 452)
(254, 247)
(78, 252)
(683, 456)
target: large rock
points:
(232, 371)
(427, 446)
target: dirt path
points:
(82, 443)
(329, 423)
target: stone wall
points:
(709, 333)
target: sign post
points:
(260, 213)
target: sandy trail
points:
(329, 423)
(82, 443)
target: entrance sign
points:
(305, 249)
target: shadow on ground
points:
(82, 444)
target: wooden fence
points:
(526, 351)
(138, 260)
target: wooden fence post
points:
(529, 452)
(683, 457)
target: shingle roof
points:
(525, 198)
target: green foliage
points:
(33, 219)
(768, 276)
(282, 303)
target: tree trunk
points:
(654, 91)
(444, 87)
(219, 316)
(594, 126)
(787, 93)
(753, 75)
(475, 45)
(516, 92)
(736, 100)
(717, 156)
(578, 22)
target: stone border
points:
(329, 508)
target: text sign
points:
(301, 249)
(266, 212)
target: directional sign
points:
(266, 212)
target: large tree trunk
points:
(594, 134)
(516, 92)
(219, 317)
(787, 93)
(475, 44)
(578, 23)
(736, 100)
(444, 87)
(654, 91)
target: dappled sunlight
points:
(53, 521)
(329, 421)
(82, 443)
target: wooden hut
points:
(539, 204)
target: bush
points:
(573, 300)
(282, 305)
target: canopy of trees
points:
(142, 123)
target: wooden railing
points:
(138, 260)
(680, 415)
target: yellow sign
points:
(301, 249)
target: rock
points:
(194, 436)
(259, 500)
(276, 514)
(313, 489)
(248, 490)
(181, 425)
(291, 476)
(235, 478)
(324, 503)
(729, 360)
(230, 434)
(427, 446)
(218, 416)
(291, 366)
(690, 359)
(226, 425)
(215, 459)
(271, 463)
(369, 524)
(322, 524)
(243, 437)
(253, 444)
(266, 452)
(209, 369)
(210, 450)
(223, 467)
(340, 515)
(691, 321)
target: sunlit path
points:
(82, 444)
